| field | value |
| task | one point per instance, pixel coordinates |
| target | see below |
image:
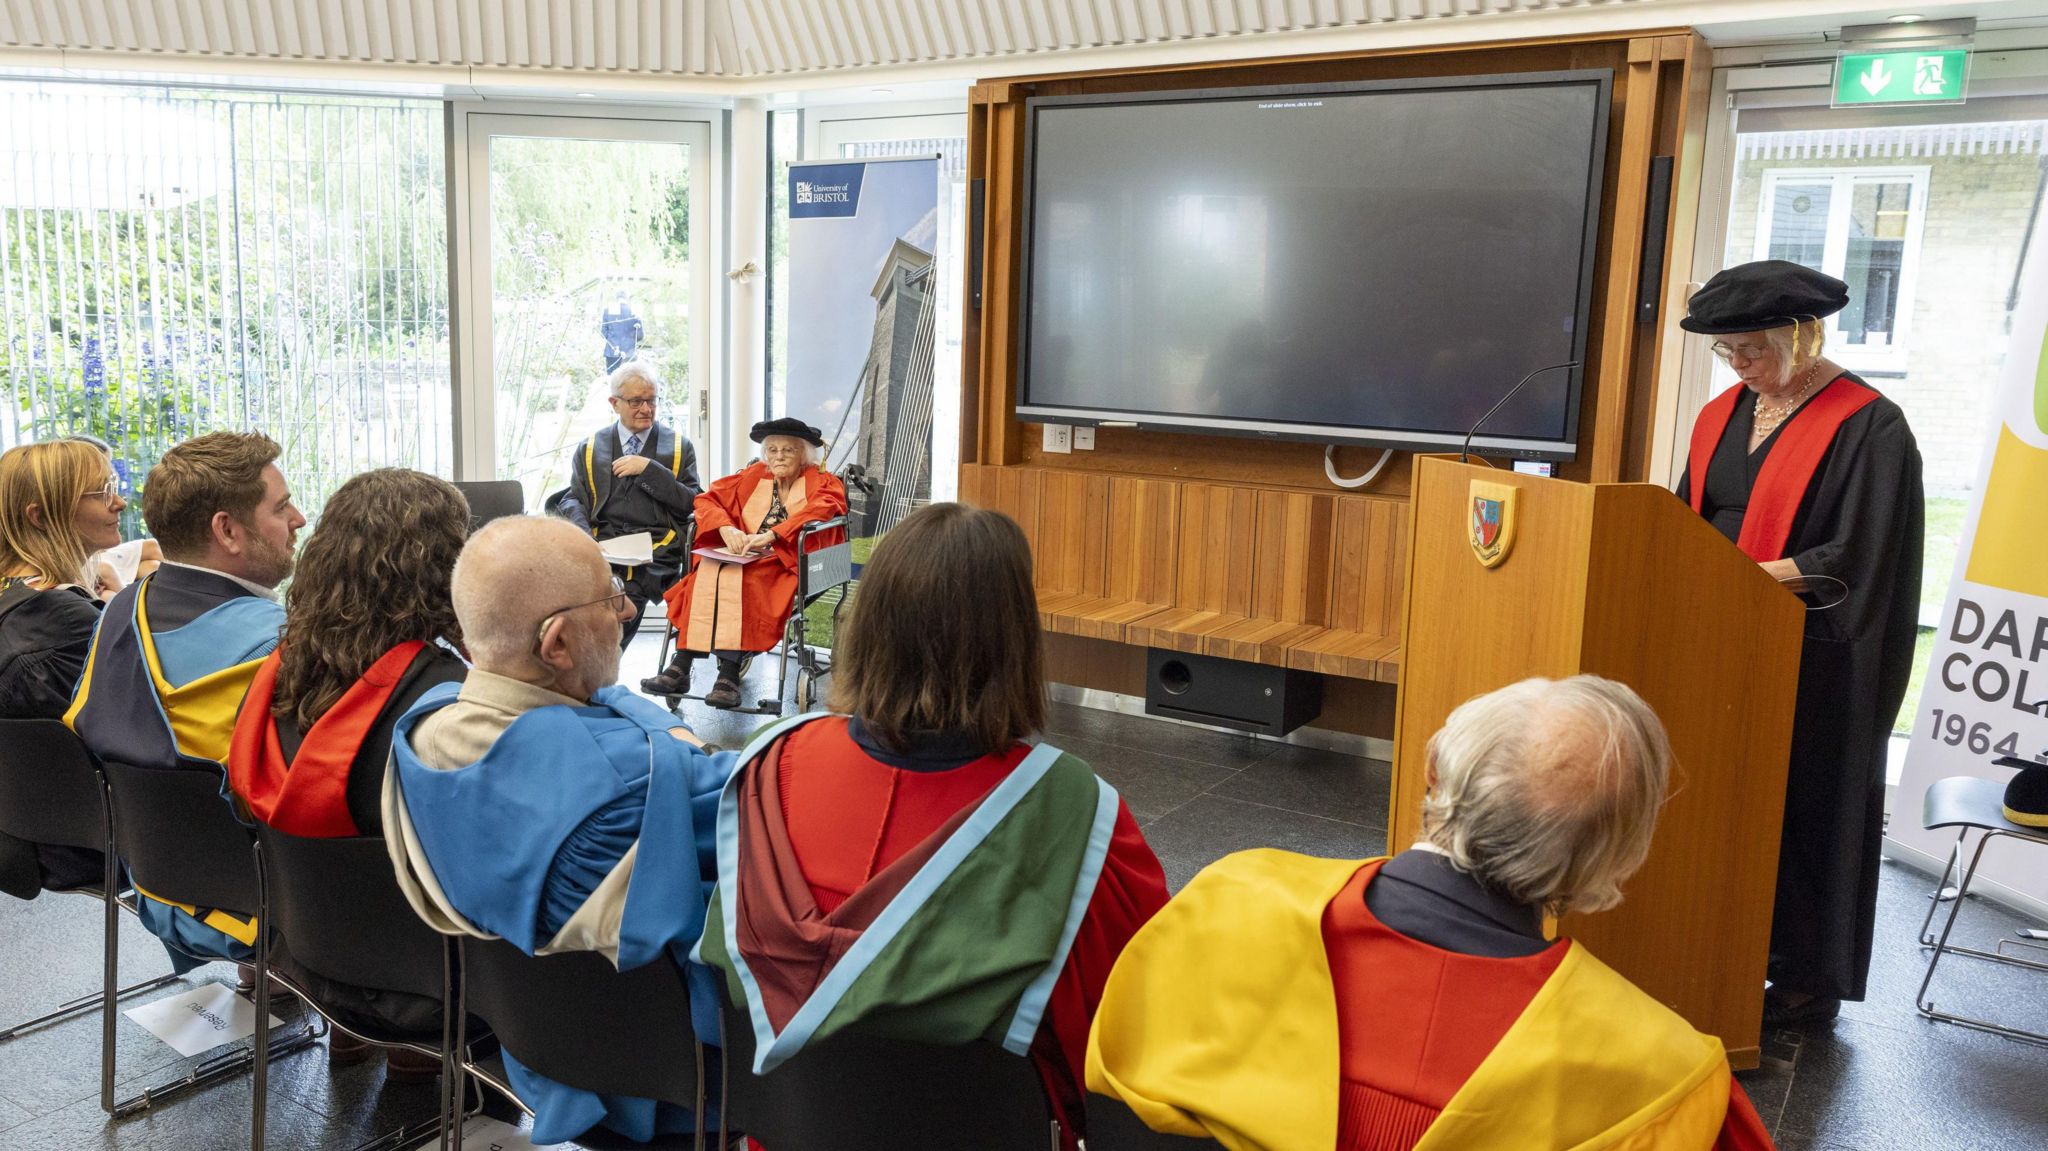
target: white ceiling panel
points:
(759, 39)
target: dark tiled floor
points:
(1880, 1079)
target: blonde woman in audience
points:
(59, 503)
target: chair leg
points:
(698, 1140)
(1926, 1005)
(110, 954)
(724, 1084)
(1934, 897)
(260, 1051)
(82, 1004)
(457, 1076)
(213, 1071)
(450, 1055)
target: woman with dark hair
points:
(930, 769)
(59, 503)
(368, 629)
(368, 621)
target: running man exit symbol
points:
(1926, 76)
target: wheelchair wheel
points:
(806, 687)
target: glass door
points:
(585, 254)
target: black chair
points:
(579, 1021)
(50, 792)
(1113, 1127)
(180, 839)
(858, 1093)
(492, 499)
(335, 907)
(818, 572)
(1969, 804)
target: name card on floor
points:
(483, 1134)
(199, 1020)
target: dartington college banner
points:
(1986, 693)
(862, 239)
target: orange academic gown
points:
(743, 607)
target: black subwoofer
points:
(1229, 692)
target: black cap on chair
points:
(2026, 796)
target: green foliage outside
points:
(269, 263)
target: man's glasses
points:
(620, 603)
(646, 402)
(106, 492)
(1730, 352)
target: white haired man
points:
(543, 804)
(1426, 981)
(638, 475)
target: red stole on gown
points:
(1415, 1021)
(1781, 483)
(307, 795)
(850, 816)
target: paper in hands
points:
(628, 551)
(720, 555)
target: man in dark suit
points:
(637, 475)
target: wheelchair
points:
(819, 571)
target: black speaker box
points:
(1230, 693)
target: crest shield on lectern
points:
(1492, 526)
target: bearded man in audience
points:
(176, 650)
(1385, 1003)
(543, 804)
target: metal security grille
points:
(174, 262)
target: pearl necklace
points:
(1771, 413)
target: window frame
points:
(1891, 359)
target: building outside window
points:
(1862, 226)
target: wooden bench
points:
(1279, 576)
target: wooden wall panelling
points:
(1368, 570)
(1688, 91)
(1291, 555)
(994, 379)
(1070, 559)
(1143, 560)
(1635, 91)
(1214, 587)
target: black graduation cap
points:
(1763, 294)
(2026, 796)
(788, 426)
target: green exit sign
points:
(1928, 76)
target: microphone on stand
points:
(1465, 452)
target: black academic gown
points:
(1860, 521)
(658, 501)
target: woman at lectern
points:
(1816, 476)
(735, 608)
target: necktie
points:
(632, 445)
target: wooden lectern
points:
(1622, 581)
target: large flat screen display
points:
(1372, 263)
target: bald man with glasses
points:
(544, 804)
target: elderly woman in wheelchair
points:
(744, 576)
